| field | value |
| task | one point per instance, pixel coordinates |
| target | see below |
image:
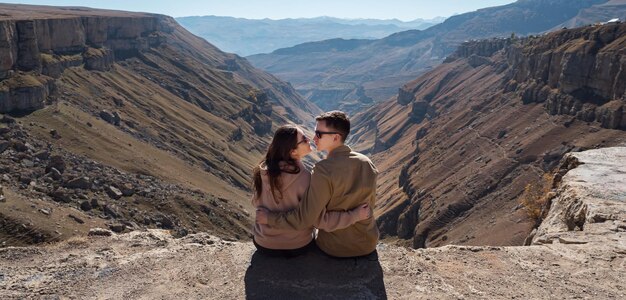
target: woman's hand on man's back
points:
(363, 211)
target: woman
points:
(280, 182)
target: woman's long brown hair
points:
(285, 140)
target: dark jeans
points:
(287, 253)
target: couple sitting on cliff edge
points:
(336, 197)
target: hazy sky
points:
(279, 9)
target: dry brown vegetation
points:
(536, 197)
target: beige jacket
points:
(342, 181)
(293, 188)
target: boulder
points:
(55, 174)
(77, 219)
(94, 203)
(111, 118)
(79, 183)
(116, 118)
(163, 221)
(127, 189)
(106, 116)
(100, 232)
(42, 155)
(60, 196)
(6, 119)
(56, 162)
(111, 211)
(25, 178)
(54, 134)
(113, 192)
(610, 114)
(85, 205)
(19, 146)
(4, 145)
(117, 228)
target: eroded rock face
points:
(590, 204)
(24, 92)
(482, 48)
(46, 46)
(27, 46)
(404, 96)
(8, 52)
(578, 72)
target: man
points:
(342, 181)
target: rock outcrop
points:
(481, 48)
(577, 72)
(45, 47)
(590, 201)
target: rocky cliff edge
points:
(152, 264)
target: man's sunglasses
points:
(319, 134)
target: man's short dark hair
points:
(338, 121)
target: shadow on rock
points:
(314, 276)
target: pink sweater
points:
(293, 187)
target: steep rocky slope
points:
(336, 76)
(97, 99)
(152, 264)
(459, 145)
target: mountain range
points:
(251, 36)
(352, 74)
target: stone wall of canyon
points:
(577, 72)
(33, 52)
(471, 134)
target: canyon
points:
(126, 145)
(354, 74)
(459, 145)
